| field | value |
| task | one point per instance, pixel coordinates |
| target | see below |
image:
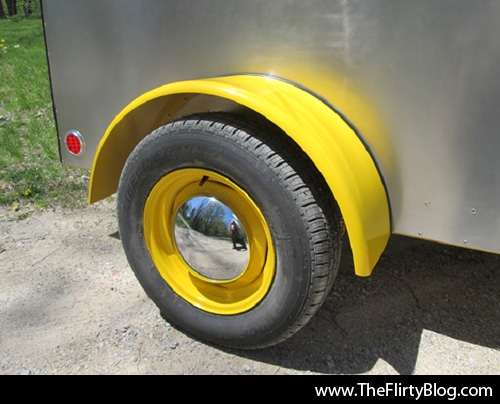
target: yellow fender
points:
(332, 145)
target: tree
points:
(27, 10)
(212, 220)
(11, 7)
(207, 218)
(196, 215)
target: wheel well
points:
(307, 123)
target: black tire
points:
(300, 218)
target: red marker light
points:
(75, 143)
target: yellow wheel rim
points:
(226, 297)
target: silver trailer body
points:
(417, 79)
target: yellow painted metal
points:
(225, 297)
(331, 144)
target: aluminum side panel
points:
(418, 79)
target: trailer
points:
(307, 122)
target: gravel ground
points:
(70, 304)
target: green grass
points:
(31, 174)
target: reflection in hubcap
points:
(211, 239)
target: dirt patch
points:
(70, 304)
